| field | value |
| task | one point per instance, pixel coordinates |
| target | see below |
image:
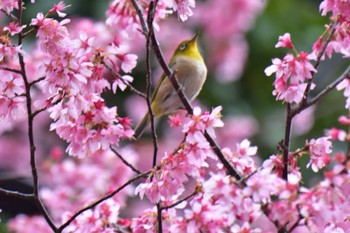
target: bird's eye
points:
(182, 47)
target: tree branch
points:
(150, 18)
(10, 69)
(37, 81)
(345, 75)
(32, 147)
(95, 203)
(17, 194)
(124, 161)
(180, 201)
(318, 60)
(286, 142)
(133, 89)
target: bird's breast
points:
(191, 74)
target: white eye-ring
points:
(182, 47)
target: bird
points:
(191, 73)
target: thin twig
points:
(180, 201)
(26, 196)
(133, 89)
(324, 92)
(124, 161)
(317, 63)
(95, 203)
(150, 18)
(32, 147)
(46, 107)
(12, 16)
(10, 69)
(27, 33)
(215, 147)
(140, 14)
(286, 142)
(36, 81)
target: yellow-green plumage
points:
(191, 74)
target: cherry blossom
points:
(8, 5)
(291, 74)
(319, 149)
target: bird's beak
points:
(194, 39)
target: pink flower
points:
(38, 20)
(175, 120)
(11, 85)
(320, 150)
(183, 8)
(29, 224)
(345, 84)
(241, 159)
(336, 134)
(8, 5)
(58, 8)
(14, 28)
(285, 41)
(336, 7)
(291, 73)
(344, 120)
(122, 15)
(102, 218)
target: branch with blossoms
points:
(290, 85)
(192, 185)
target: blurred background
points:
(237, 39)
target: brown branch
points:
(26, 196)
(150, 18)
(180, 201)
(45, 108)
(36, 81)
(95, 203)
(345, 75)
(293, 111)
(32, 147)
(133, 89)
(27, 33)
(124, 161)
(140, 14)
(11, 70)
(286, 142)
(12, 16)
(318, 61)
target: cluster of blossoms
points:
(121, 14)
(60, 192)
(167, 182)
(12, 88)
(292, 72)
(74, 71)
(340, 36)
(219, 202)
(76, 186)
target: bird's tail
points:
(140, 128)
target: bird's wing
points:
(161, 79)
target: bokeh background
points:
(237, 42)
